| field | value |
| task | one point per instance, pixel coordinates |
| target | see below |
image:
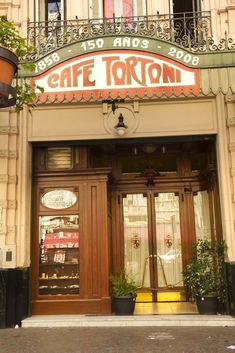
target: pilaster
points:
(8, 181)
(225, 166)
(229, 117)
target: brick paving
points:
(118, 340)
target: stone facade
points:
(212, 112)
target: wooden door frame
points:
(184, 187)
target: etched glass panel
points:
(136, 238)
(169, 256)
(202, 215)
(59, 158)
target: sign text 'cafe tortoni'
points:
(116, 66)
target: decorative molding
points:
(231, 147)
(232, 172)
(12, 204)
(3, 204)
(4, 178)
(230, 98)
(10, 4)
(8, 154)
(231, 122)
(13, 179)
(11, 230)
(136, 107)
(3, 232)
(8, 204)
(9, 130)
(7, 179)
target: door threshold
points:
(169, 308)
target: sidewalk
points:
(118, 340)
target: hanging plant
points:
(17, 47)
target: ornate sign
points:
(59, 199)
(116, 73)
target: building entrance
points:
(158, 215)
(152, 244)
(133, 206)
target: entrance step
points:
(162, 296)
(135, 320)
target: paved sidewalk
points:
(118, 340)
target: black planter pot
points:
(207, 305)
(123, 305)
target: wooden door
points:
(153, 241)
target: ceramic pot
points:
(8, 67)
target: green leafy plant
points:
(25, 95)
(12, 40)
(204, 275)
(123, 285)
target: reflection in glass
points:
(168, 240)
(54, 10)
(124, 8)
(136, 238)
(59, 255)
(202, 215)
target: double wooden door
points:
(156, 233)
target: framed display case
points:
(59, 255)
(70, 258)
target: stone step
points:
(134, 320)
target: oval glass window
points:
(59, 199)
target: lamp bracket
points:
(113, 103)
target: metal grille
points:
(190, 30)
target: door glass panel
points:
(59, 255)
(168, 240)
(202, 215)
(136, 238)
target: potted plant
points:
(123, 289)
(13, 49)
(204, 275)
